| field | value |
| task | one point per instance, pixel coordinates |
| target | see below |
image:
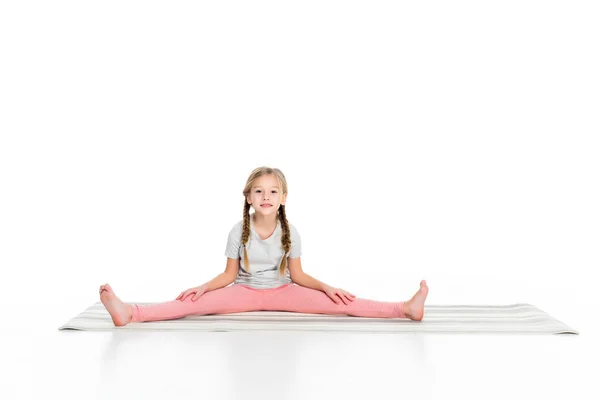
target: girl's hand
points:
(199, 290)
(336, 294)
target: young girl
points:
(263, 261)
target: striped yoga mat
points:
(514, 318)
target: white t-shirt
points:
(264, 256)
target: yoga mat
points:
(518, 318)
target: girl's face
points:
(266, 190)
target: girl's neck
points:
(262, 222)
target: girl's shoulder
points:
(236, 227)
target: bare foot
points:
(415, 307)
(120, 312)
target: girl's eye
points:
(273, 191)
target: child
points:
(263, 261)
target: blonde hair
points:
(286, 242)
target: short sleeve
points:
(234, 241)
(296, 250)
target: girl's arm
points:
(301, 278)
(304, 279)
(220, 281)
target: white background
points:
(455, 142)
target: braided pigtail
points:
(246, 233)
(286, 242)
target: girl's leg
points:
(230, 299)
(301, 299)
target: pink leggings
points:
(289, 297)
